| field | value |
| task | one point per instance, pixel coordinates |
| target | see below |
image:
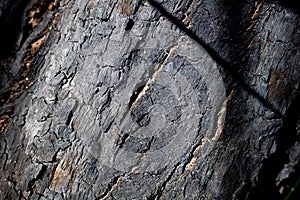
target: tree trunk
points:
(132, 99)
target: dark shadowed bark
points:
(136, 99)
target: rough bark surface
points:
(133, 99)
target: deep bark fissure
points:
(11, 21)
(110, 186)
(135, 95)
(31, 183)
(161, 189)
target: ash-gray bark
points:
(133, 99)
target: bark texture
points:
(133, 99)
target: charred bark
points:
(149, 99)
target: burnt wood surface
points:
(135, 99)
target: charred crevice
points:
(110, 186)
(129, 25)
(31, 184)
(107, 101)
(107, 127)
(121, 140)
(228, 67)
(3, 97)
(266, 187)
(11, 22)
(126, 65)
(135, 95)
(240, 31)
(5, 82)
(35, 15)
(142, 120)
(70, 116)
(158, 194)
(147, 147)
(187, 158)
(287, 135)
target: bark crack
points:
(31, 183)
(160, 190)
(114, 182)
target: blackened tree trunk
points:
(133, 99)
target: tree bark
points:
(133, 99)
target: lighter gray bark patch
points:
(176, 106)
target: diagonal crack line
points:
(217, 58)
(110, 186)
